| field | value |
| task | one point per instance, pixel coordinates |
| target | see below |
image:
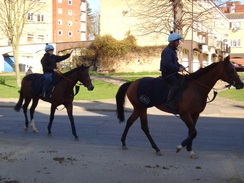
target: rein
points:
(214, 90)
(61, 74)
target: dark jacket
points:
(49, 61)
(169, 60)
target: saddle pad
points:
(37, 84)
(152, 91)
(39, 81)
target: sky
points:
(95, 5)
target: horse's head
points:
(85, 78)
(230, 75)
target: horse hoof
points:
(76, 138)
(178, 148)
(158, 153)
(193, 156)
(35, 131)
(26, 128)
(124, 147)
(49, 134)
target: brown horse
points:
(62, 95)
(189, 108)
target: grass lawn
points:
(103, 90)
(233, 94)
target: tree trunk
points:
(15, 47)
(177, 13)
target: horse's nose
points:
(240, 86)
(91, 88)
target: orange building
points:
(66, 20)
(233, 7)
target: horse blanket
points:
(39, 81)
(154, 91)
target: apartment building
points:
(234, 11)
(53, 21)
(68, 18)
(203, 44)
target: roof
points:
(234, 15)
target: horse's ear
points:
(227, 59)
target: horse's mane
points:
(202, 71)
(71, 71)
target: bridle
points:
(215, 91)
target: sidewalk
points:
(213, 109)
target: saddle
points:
(39, 81)
(154, 91)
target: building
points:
(69, 20)
(203, 44)
(232, 7)
(51, 22)
(234, 11)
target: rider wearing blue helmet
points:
(48, 62)
(169, 67)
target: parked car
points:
(238, 67)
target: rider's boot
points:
(171, 98)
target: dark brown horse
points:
(193, 102)
(62, 95)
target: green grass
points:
(103, 90)
(233, 94)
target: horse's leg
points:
(52, 111)
(69, 108)
(32, 110)
(190, 121)
(24, 107)
(145, 128)
(129, 123)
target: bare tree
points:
(162, 16)
(93, 23)
(13, 17)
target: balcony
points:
(212, 41)
(225, 48)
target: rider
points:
(169, 67)
(48, 62)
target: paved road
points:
(27, 157)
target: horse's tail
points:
(19, 103)
(120, 100)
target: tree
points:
(13, 17)
(93, 26)
(163, 16)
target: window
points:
(235, 42)
(40, 38)
(40, 17)
(59, 1)
(70, 2)
(60, 32)
(60, 21)
(235, 25)
(70, 33)
(70, 23)
(60, 10)
(30, 16)
(70, 12)
(30, 37)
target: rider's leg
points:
(174, 85)
(48, 77)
